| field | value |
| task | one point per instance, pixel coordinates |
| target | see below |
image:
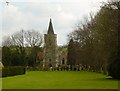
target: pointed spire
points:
(50, 28)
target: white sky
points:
(35, 14)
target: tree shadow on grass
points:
(108, 78)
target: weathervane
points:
(7, 2)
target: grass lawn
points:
(59, 80)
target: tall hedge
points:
(13, 70)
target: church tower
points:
(50, 48)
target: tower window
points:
(63, 61)
(49, 60)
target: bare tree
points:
(7, 41)
(23, 38)
(33, 38)
(112, 4)
(18, 38)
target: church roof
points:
(50, 28)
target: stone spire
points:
(50, 28)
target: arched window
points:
(50, 65)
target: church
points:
(52, 57)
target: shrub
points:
(114, 66)
(114, 70)
(11, 71)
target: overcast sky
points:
(35, 14)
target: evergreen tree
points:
(71, 54)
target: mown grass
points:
(59, 80)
